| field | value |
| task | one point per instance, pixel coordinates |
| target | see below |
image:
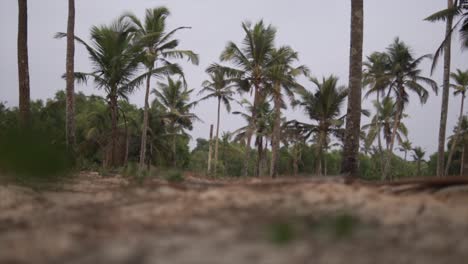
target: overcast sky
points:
(318, 30)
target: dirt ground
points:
(96, 219)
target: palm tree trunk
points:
(295, 160)
(144, 131)
(353, 117)
(379, 142)
(445, 95)
(114, 131)
(318, 153)
(276, 137)
(70, 110)
(250, 129)
(174, 158)
(457, 136)
(462, 161)
(210, 150)
(217, 139)
(23, 63)
(396, 124)
(258, 166)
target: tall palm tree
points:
(218, 87)
(174, 98)
(454, 9)
(70, 69)
(418, 156)
(353, 117)
(252, 61)
(405, 77)
(405, 146)
(323, 107)
(115, 61)
(282, 77)
(23, 63)
(461, 85)
(159, 45)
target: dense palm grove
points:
(130, 54)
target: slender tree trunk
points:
(462, 161)
(406, 152)
(445, 95)
(457, 136)
(23, 63)
(174, 158)
(251, 129)
(396, 124)
(217, 139)
(379, 142)
(318, 153)
(144, 131)
(114, 131)
(276, 136)
(258, 166)
(295, 160)
(353, 118)
(70, 69)
(210, 150)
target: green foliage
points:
(174, 176)
(31, 157)
(281, 233)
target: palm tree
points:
(405, 77)
(70, 69)
(375, 74)
(381, 123)
(23, 63)
(461, 85)
(159, 46)
(264, 117)
(323, 107)
(115, 61)
(174, 98)
(218, 87)
(453, 10)
(418, 156)
(282, 76)
(353, 117)
(405, 146)
(252, 62)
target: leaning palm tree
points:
(174, 98)
(282, 77)
(461, 85)
(324, 108)
(252, 62)
(454, 9)
(159, 46)
(405, 77)
(220, 88)
(418, 156)
(115, 63)
(23, 63)
(353, 117)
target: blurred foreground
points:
(95, 219)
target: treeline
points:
(263, 77)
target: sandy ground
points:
(98, 219)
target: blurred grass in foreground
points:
(32, 157)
